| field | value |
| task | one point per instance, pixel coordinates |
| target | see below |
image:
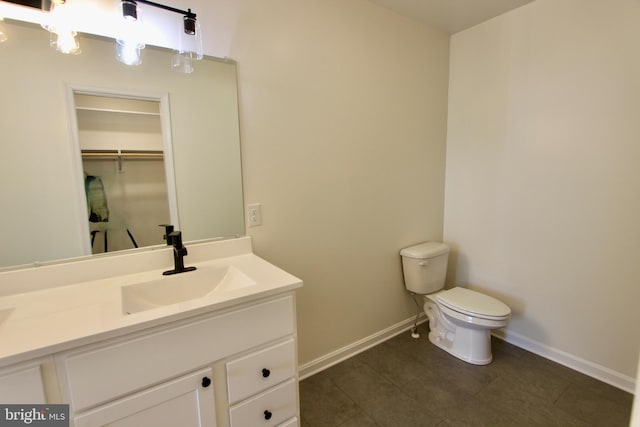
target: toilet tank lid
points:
(425, 250)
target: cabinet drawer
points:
(269, 408)
(21, 385)
(260, 370)
(103, 373)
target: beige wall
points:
(343, 121)
(543, 182)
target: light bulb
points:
(129, 41)
(182, 63)
(189, 45)
(59, 23)
(128, 52)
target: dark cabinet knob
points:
(266, 373)
(206, 382)
(267, 415)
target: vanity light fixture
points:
(59, 21)
(130, 42)
(59, 18)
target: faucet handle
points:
(168, 229)
(175, 238)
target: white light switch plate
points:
(254, 215)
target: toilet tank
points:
(425, 267)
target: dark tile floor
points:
(408, 382)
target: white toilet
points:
(460, 320)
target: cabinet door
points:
(21, 385)
(186, 402)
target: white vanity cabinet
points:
(166, 375)
(214, 348)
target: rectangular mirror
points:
(42, 207)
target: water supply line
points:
(414, 330)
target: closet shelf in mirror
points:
(114, 111)
(115, 104)
(122, 154)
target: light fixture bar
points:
(189, 17)
(189, 40)
(169, 8)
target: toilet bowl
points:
(460, 320)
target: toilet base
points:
(466, 342)
(473, 357)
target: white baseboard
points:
(586, 367)
(344, 353)
(576, 363)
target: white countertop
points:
(49, 320)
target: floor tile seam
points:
(551, 406)
(397, 384)
(352, 400)
(412, 354)
(596, 387)
(346, 395)
(352, 418)
(528, 390)
(574, 416)
(398, 388)
(414, 401)
(562, 393)
(512, 420)
(580, 415)
(508, 414)
(387, 376)
(420, 361)
(482, 389)
(401, 387)
(507, 411)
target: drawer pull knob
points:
(266, 373)
(267, 415)
(206, 382)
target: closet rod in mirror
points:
(122, 154)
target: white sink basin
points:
(177, 288)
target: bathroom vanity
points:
(129, 347)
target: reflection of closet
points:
(121, 143)
(107, 123)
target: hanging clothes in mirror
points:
(96, 199)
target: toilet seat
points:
(473, 304)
